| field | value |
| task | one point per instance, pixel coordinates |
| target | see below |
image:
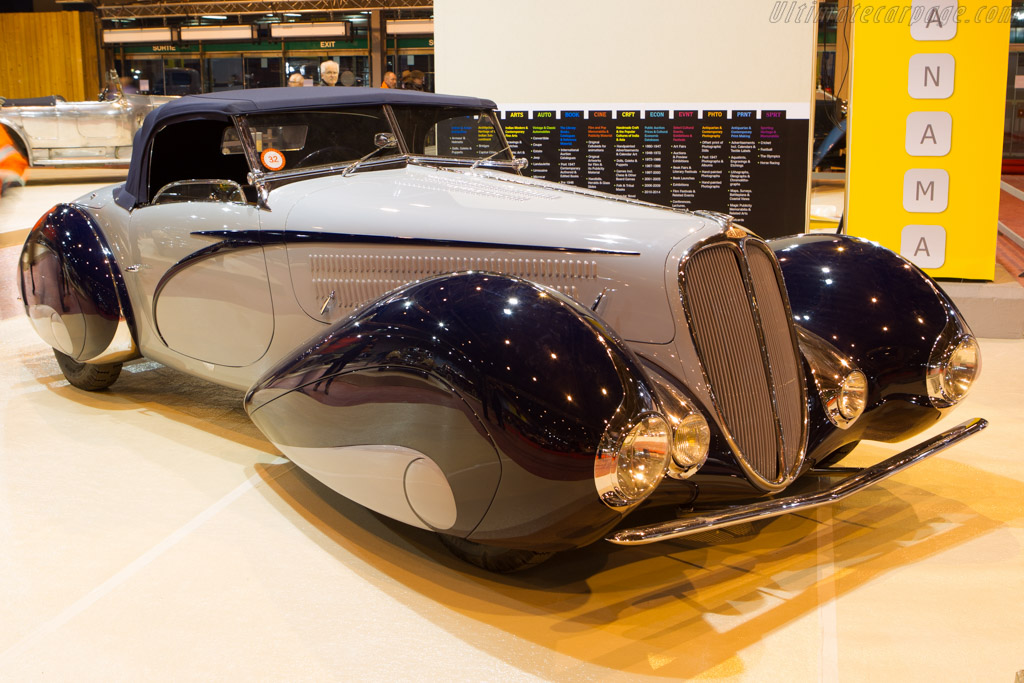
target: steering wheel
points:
(325, 155)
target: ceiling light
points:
(137, 35)
(216, 32)
(410, 26)
(315, 29)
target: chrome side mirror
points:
(385, 140)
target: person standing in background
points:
(329, 73)
(390, 80)
(296, 80)
(415, 81)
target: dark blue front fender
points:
(506, 387)
(879, 309)
(72, 287)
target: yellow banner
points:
(924, 142)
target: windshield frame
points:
(259, 176)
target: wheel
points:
(88, 376)
(492, 558)
(837, 455)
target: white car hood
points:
(486, 210)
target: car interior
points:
(184, 149)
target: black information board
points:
(747, 163)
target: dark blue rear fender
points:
(879, 309)
(71, 285)
(507, 387)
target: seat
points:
(50, 101)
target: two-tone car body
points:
(514, 364)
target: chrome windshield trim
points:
(251, 155)
(698, 522)
(444, 163)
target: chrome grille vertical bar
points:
(781, 348)
(741, 328)
(726, 338)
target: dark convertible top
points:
(233, 102)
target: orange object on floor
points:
(12, 163)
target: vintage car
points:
(49, 131)
(517, 365)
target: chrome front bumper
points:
(858, 479)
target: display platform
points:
(153, 520)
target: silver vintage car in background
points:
(50, 131)
(520, 366)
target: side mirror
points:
(385, 140)
(221, 191)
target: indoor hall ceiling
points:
(114, 9)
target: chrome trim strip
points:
(266, 238)
(396, 130)
(251, 155)
(698, 522)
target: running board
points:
(862, 478)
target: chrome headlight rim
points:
(842, 405)
(834, 375)
(942, 391)
(852, 398)
(612, 456)
(691, 443)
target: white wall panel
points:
(611, 51)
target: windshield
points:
(293, 140)
(451, 132)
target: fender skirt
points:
(471, 403)
(72, 288)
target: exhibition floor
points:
(150, 532)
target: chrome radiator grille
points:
(743, 336)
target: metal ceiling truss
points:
(184, 8)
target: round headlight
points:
(628, 475)
(690, 442)
(956, 373)
(853, 395)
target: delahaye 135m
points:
(513, 364)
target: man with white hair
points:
(329, 73)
